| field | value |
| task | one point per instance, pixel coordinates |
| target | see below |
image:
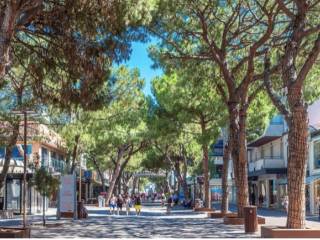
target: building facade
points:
(313, 180)
(45, 148)
(267, 166)
(216, 167)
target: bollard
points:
(250, 219)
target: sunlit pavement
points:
(153, 222)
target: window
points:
(262, 152)
(44, 157)
(271, 150)
(316, 156)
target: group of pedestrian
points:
(117, 203)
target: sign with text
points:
(67, 194)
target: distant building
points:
(216, 164)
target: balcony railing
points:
(267, 162)
(58, 165)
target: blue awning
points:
(312, 178)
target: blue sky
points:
(139, 59)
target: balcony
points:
(58, 165)
(267, 163)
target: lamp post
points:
(25, 114)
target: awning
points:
(312, 178)
(262, 141)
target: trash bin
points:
(250, 219)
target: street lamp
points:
(25, 114)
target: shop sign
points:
(87, 175)
(67, 198)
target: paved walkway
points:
(153, 222)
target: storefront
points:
(216, 191)
(11, 195)
(316, 194)
(268, 190)
(314, 190)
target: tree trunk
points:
(182, 179)
(185, 184)
(115, 173)
(224, 180)
(43, 210)
(6, 33)
(238, 152)
(122, 167)
(75, 153)
(298, 149)
(119, 184)
(205, 167)
(134, 185)
(100, 174)
(11, 143)
(206, 176)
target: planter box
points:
(220, 215)
(15, 232)
(203, 209)
(235, 220)
(283, 232)
(66, 214)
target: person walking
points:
(169, 204)
(119, 204)
(261, 198)
(137, 205)
(128, 204)
(163, 199)
(112, 204)
(285, 203)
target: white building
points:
(267, 165)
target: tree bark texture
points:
(298, 149)
(7, 26)
(224, 180)
(75, 153)
(238, 152)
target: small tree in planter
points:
(46, 185)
